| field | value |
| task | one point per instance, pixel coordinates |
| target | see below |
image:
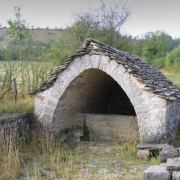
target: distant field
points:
(175, 79)
(44, 35)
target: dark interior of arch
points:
(94, 91)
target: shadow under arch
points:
(95, 96)
(96, 92)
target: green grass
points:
(8, 106)
(174, 78)
(63, 162)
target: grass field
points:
(43, 35)
(41, 159)
(175, 79)
(33, 74)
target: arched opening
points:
(97, 97)
(95, 92)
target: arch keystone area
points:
(120, 96)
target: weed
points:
(85, 132)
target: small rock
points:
(143, 154)
(86, 170)
(48, 174)
(119, 169)
(91, 166)
(105, 165)
(102, 171)
(173, 164)
(35, 164)
(176, 175)
(156, 173)
(168, 152)
(85, 160)
(112, 154)
(22, 161)
(116, 162)
(109, 176)
(96, 161)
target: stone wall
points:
(15, 127)
(120, 128)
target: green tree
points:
(157, 45)
(138, 47)
(173, 60)
(18, 29)
(102, 23)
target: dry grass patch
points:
(9, 106)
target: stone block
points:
(176, 175)
(38, 108)
(112, 66)
(78, 63)
(105, 60)
(116, 73)
(160, 115)
(142, 108)
(139, 100)
(143, 154)
(173, 164)
(156, 173)
(151, 146)
(95, 61)
(126, 86)
(168, 152)
(48, 109)
(67, 75)
(86, 63)
(73, 70)
(158, 103)
(60, 81)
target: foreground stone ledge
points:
(176, 175)
(168, 152)
(173, 164)
(151, 146)
(156, 173)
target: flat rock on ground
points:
(151, 146)
(173, 164)
(176, 175)
(168, 152)
(156, 173)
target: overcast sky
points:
(148, 15)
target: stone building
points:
(119, 95)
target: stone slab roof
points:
(154, 80)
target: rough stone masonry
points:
(102, 80)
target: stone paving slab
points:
(156, 173)
(173, 164)
(151, 146)
(176, 175)
(168, 152)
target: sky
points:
(147, 15)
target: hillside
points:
(43, 35)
